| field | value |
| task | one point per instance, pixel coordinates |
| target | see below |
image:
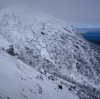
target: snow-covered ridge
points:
(47, 42)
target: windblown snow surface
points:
(47, 43)
(20, 81)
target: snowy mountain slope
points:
(4, 43)
(47, 42)
(20, 81)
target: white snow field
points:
(20, 81)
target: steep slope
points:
(47, 42)
(20, 81)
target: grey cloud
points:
(72, 11)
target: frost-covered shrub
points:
(53, 78)
(40, 77)
(42, 71)
(3, 48)
(40, 89)
(11, 50)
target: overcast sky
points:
(80, 13)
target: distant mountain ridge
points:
(92, 34)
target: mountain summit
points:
(43, 41)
